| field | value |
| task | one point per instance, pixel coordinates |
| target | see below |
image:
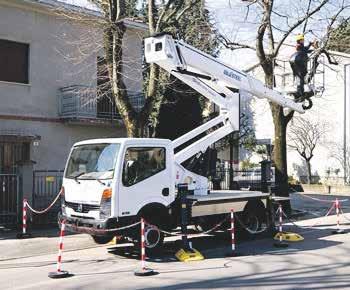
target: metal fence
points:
(246, 179)
(77, 102)
(9, 191)
(46, 185)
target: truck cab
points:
(107, 182)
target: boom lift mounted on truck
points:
(104, 189)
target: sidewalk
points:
(44, 241)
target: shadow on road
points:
(219, 245)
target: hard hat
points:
(300, 37)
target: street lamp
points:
(346, 91)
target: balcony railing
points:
(81, 103)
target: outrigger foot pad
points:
(189, 255)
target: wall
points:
(49, 69)
(63, 52)
(57, 139)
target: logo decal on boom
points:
(232, 75)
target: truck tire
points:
(156, 218)
(154, 241)
(253, 218)
(101, 240)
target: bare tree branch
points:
(232, 44)
(297, 23)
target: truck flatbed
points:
(228, 195)
(222, 201)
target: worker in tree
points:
(298, 62)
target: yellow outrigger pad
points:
(113, 241)
(288, 236)
(189, 256)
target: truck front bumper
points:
(88, 226)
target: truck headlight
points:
(105, 208)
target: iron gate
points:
(46, 185)
(9, 207)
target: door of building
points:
(11, 153)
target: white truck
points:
(111, 183)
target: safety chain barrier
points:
(305, 227)
(322, 200)
(72, 226)
(343, 215)
(26, 205)
(46, 209)
(190, 235)
(338, 211)
(212, 229)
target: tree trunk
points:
(136, 127)
(308, 165)
(280, 150)
(280, 143)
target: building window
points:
(14, 61)
(141, 163)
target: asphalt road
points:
(319, 262)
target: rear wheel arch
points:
(257, 205)
(155, 213)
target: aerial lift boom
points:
(215, 80)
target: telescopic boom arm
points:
(215, 80)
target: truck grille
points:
(83, 208)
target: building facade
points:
(50, 66)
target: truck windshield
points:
(92, 161)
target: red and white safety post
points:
(143, 250)
(24, 233)
(280, 222)
(24, 221)
(233, 252)
(280, 243)
(143, 271)
(337, 210)
(59, 273)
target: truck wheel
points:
(154, 240)
(253, 218)
(101, 239)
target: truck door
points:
(146, 178)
